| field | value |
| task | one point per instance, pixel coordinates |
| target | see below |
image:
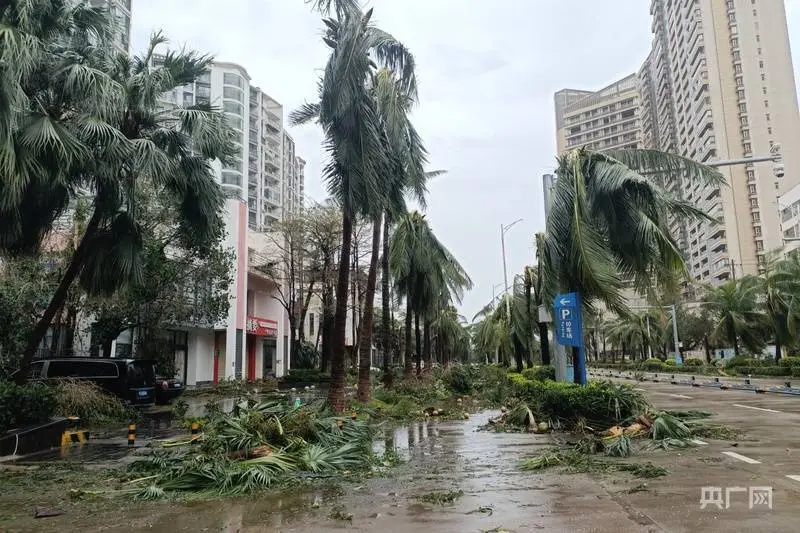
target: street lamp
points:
(674, 313)
(503, 230)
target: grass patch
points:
(717, 432)
(441, 498)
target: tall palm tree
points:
(609, 222)
(422, 269)
(91, 121)
(737, 317)
(538, 299)
(780, 287)
(451, 335)
(348, 115)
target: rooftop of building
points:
(619, 87)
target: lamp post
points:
(674, 313)
(503, 230)
(494, 294)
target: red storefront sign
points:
(262, 327)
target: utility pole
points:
(678, 358)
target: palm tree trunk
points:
(777, 349)
(328, 313)
(544, 343)
(707, 348)
(385, 297)
(58, 299)
(365, 358)
(426, 344)
(418, 337)
(407, 360)
(336, 390)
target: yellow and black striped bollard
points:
(131, 434)
(195, 432)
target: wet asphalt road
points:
(497, 497)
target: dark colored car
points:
(167, 389)
(132, 380)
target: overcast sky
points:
(487, 74)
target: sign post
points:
(569, 329)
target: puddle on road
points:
(438, 457)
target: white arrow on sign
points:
(564, 301)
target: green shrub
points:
(459, 379)
(693, 362)
(741, 360)
(21, 405)
(791, 362)
(305, 375)
(654, 364)
(764, 370)
(670, 362)
(306, 358)
(601, 404)
(540, 373)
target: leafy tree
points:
(84, 117)
(347, 113)
(609, 223)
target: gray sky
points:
(487, 78)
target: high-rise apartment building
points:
(718, 84)
(602, 120)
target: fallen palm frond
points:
(666, 426)
(257, 446)
(619, 446)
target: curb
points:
(743, 387)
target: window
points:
(755, 217)
(742, 108)
(82, 369)
(231, 178)
(747, 148)
(311, 324)
(233, 79)
(769, 130)
(233, 93)
(737, 57)
(751, 175)
(754, 203)
(232, 107)
(234, 122)
(745, 134)
(768, 117)
(743, 121)
(763, 77)
(741, 94)
(757, 231)
(760, 63)
(737, 69)
(735, 42)
(759, 246)
(752, 189)
(766, 103)
(764, 90)
(739, 80)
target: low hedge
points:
(22, 405)
(741, 360)
(600, 404)
(540, 373)
(693, 362)
(791, 362)
(764, 370)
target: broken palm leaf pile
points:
(259, 445)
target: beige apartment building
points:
(718, 84)
(602, 120)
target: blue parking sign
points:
(569, 322)
(569, 329)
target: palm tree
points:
(609, 223)
(347, 112)
(91, 121)
(422, 269)
(737, 317)
(780, 287)
(451, 336)
(640, 332)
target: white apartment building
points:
(790, 219)
(717, 85)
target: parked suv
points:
(132, 380)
